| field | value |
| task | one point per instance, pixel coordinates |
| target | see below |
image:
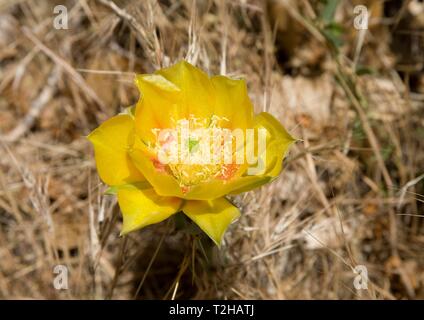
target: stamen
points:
(197, 171)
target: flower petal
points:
(277, 143)
(213, 216)
(159, 97)
(274, 127)
(142, 207)
(159, 178)
(110, 141)
(232, 102)
(218, 188)
(198, 97)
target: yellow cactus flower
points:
(190, 141)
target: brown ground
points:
(351, 194)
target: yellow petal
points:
(274, 127)
(248, 183)
(156, 82)
(160, 179)
(159, 106)
(142, 207)
(198, 97)
(183, 91)
(277, 143)
(218, 188)
(232, 102)
(213, 216)
(110, 141)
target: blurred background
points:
(349, 202)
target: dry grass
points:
(352, 192)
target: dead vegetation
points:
(351, 194)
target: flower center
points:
(192, 174)
(197, 151)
